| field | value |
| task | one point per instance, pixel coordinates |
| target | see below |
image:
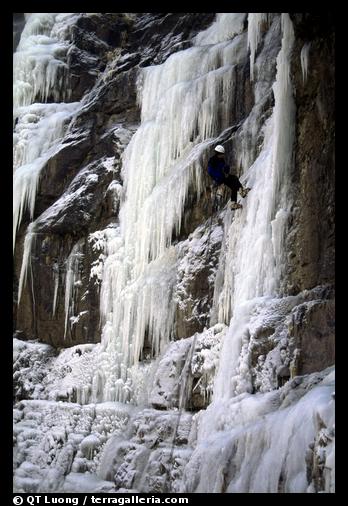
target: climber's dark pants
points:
(233, 183)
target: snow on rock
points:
(31, 362)
(152, 457)
(195, 278)
(78, 197)
(52, 439)
(70, 375)
(267, 442)
(165, 392)
(197, 370)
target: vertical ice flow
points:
(255, 21)
(39, 69)
(255, 261)
(253, 268)
(39, 73)
(304, 56)
(36, 137)
(255, 444)
(185, 104)
(72, 280)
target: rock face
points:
(311, 240)
(18, 25)
(182, 426)
(313, 328)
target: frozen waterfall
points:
(38, 71)
(237, 427)
(118, 411)
(183, 110)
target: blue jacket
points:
(217, 169)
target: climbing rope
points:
(216, 199)
(186, 374)
(188, 364)
(187, 368)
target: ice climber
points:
(220, 172)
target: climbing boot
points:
(235, 205)
(244, 191)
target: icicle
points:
(304, 60)
(26, 262)
(225, 27)
(24, 192)
(167, 149)
(56, 285)
(37, 135)
(254, 254)
(71, 281)
(181, 103)
(37, 63)
(255, 21)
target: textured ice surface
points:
(39, 68)
(263, 428)
(197, 370)
(53, 439)
(260, 443)
(36, 138)
(305, 60)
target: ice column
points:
(56, 285)
(26, 262)
(39, 69)
(39, 72)
(304, 60)
(72, 281)
(255, 256)
(183, 109)
(255, 21)
(254, 252)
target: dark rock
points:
(153, 34)
(311, 235)
(18, 25)
(94, 37)
(313, 327)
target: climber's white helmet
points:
(220, 149)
